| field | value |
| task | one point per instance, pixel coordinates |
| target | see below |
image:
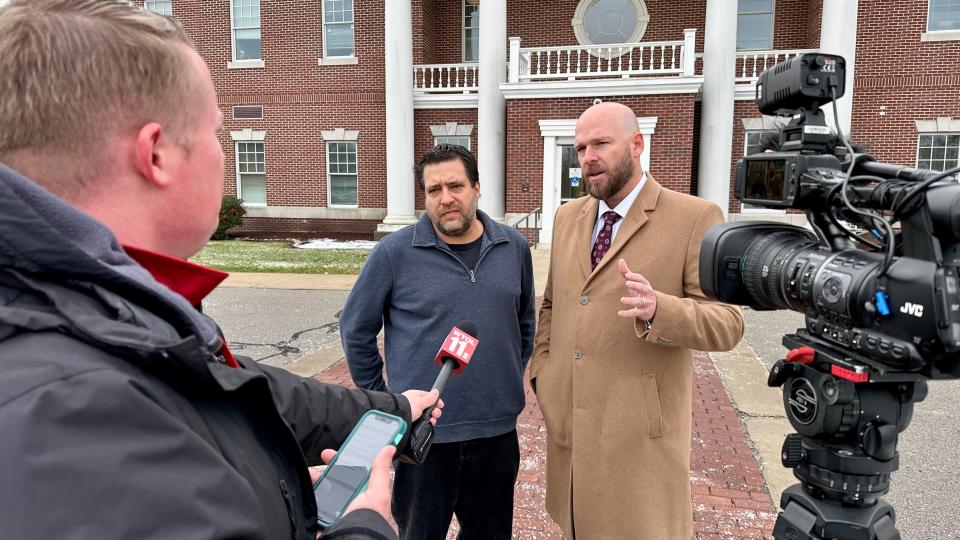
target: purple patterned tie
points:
(602, 244)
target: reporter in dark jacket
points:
(122, 412)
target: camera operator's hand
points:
(378, 493)
(641, 299)
(420, 401)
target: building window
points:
(342, 172)
(458, 140)
(471, 30)
(601, 22)
(337, 28)
(938, 151)
(246, 30)
(754, 24)
(751, 143)
(163, 7)
(943, 15)
(251, 173)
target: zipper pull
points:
(473, 277)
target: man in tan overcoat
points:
(611, 367)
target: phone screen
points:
(351, 466)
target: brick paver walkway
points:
(730, 499)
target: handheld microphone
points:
(453, 357)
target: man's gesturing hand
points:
(420, 400)
(641, 299)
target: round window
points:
(602, 22)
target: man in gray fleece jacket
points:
(454, 264)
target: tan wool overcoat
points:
(615, 395)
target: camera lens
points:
(763, 262)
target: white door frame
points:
(556, 133)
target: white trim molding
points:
(338, 61)
(941, 35)
(339, 134)
(943, 124)
(451, 129)
(602, 87)
(248, 134)
(246, 64)
(445, 101)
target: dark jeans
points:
(473, 479)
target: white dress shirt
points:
(621, 209)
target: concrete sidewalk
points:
(735, 470)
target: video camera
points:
(881, 305)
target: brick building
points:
(328, 103)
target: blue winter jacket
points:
(415, 288)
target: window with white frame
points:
(342, 172)
(338, 28)
(471, 30)
(601, 22)
(943, 15)
(163, 7)
(251, 173)
(754, 24)
(458, 140)
(246, 29)
(752, 138)
(938, 151)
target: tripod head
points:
(848, 413)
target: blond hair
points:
(74, 73)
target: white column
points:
(398, 38)
(492, 108)
(838, 35)
(716, 112)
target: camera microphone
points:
(454, 355)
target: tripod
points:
(847, 414)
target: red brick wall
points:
(892, 138)
(671, 153)
(790, 23)
(295, 152)
(914, 80)
(889, 46)
(423, 137)
(812, 39)
(447, 28)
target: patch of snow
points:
(329, 243)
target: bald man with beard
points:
(612, 363)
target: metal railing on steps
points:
(531, 233)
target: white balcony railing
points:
(750, 64)
(446, 78)
(620, 60)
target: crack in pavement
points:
(285, 346)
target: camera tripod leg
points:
(807, 518)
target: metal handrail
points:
(535, 214)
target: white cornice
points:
(745, 91)
(606, 87)
(445, 101)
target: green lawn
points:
(246, 256)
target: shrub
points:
(231, 215)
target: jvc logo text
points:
(912, 309)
